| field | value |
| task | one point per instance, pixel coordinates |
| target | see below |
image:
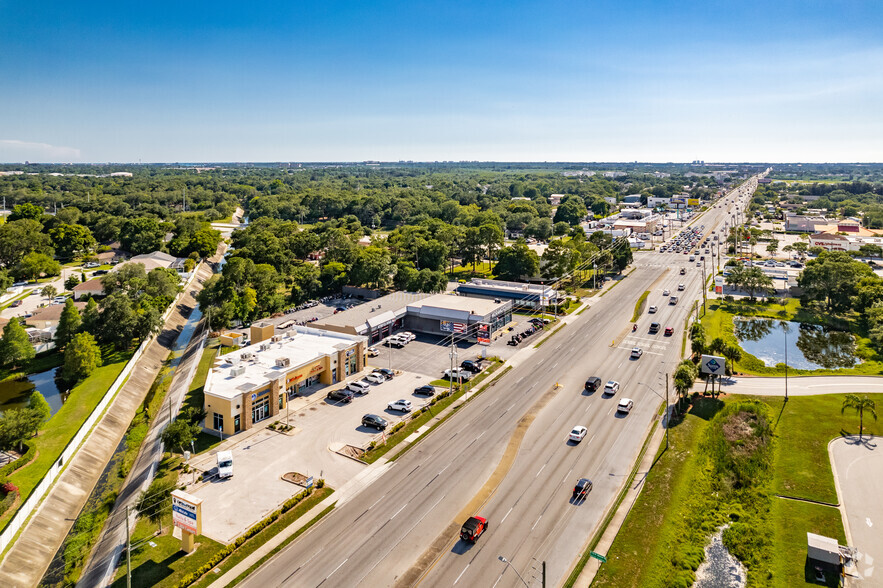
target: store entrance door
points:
(261, 410)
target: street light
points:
(508, 563)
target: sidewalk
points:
(33, 551)
(588, 574)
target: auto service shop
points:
(254, 383)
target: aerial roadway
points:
(507, 456)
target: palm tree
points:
(684, 377)
(861, 405)
(733, 354)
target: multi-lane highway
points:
(506, 457)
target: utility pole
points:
(667, 412)
(451, 373)
(544, 573)
(704, 288)
(128, 552)
(785, 332)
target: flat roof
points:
(462, 304)
(395, 303)
(301, 346)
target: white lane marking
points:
(592, 439)
(498, 579)
(398, 511)
(461, 574)
(554, 365)
(611, 410)
(510, 407)
(378, 500)
(449, 465)
(536, 523)
(337, 568)
(868, 521)
(507, 514)
(477, 438)
(541, 469)
(587, 409)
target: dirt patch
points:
(351, 451)
(296, 478)
(739, 431)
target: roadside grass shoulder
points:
(58, 431)
(195, 396)
(790, 538)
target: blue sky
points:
(507, 81)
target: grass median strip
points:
(639, 305)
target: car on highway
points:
(637, 352)
(360, 387)
(683, 271)
(592, 383)
(673, 300)
(473, 528)
(611, 387)
(654, 328)
(666, 292)
(669, 331)
(372, 352)
(375, 378)
(577, 434)
(374, 421)
(681, 287)
(625, 405)
(425, 390)
(342, 395)
(401, 405)
(652, 309)
(582, 488)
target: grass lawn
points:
(19, 297)
(60, 429)
(800, 467)
(718, 322)
(163, 563)
(482, 270)
(195, 396)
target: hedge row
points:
(15, 464)
(226, 551)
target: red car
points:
(669, 331)
(473, 528)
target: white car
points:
(400, 405)
(666, 292)
(360, 387)
(625, 405)
(458, 374)
(375, 378)
(611, 387)
(680, 287)
(578, 434)
(636, 352)
(407, 335)
(652, 310)
(373, 352)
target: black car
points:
(426, 390)
(472, 366)
(342, 395)
(386, 373)
(582, 488)
(372, 420)
(654, 328)
(593, 383)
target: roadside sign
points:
(309, 483)
(598, 556)
(712, 364)
(186, 512)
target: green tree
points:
(15, 347)
(833, 279)
(179, 433)
(154, 503)
(18, 238)
(333, 276)
(871, 250)
(305, 282)
(48, 291)
(5, 280)
(754, 280)
(17, 425)
(373, 268)
(72, 241)
(34, 265)
(773, 246)
(684, 377)
(561, 228)
(142, 235)
(860, 405)
(71, 282)
(68, 324)
(81, 357)
(517, 261)
(571, 211)
(26, 210)
(130, 278)
(41, 408)
(91, 316)
(492, 237)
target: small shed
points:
(822, 549)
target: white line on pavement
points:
(461, 574)
(507, 514)
(398, 511)
(541, 469)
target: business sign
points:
(316, 369)
(713, 364)
(186, 513)
(446, 326)
(719, 284)
(483, 334)
(693, 201)
(309, 482)
(599, 557)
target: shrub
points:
(9, 488)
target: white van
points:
(225, 464)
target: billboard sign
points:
(719, 284)
(186, 512)
(483, 334)
(693, 201)
(713, 364)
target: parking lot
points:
(262, 456)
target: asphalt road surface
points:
(505, 456)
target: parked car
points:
(385, 372)
(99, 272)
(91, 264)
(342, 395)
(592, 383)
(375, 378)
(373, 352)
(425, 390)
(16, 304)
(578, 434)
(625, 405)
(637, 352)
(582, 488)
(458, 374)
(611, 387)
(472, 366)
(374, 421)
(400, 405)
(473, 528)
(359, 387)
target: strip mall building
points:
(256, 382)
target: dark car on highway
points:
(582, 488)
(342, 395)
(473, 528)
(426, 390)
(654, 328)
(593, 383)
(372, 420)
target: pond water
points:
(720, 569)
(15, 393)
(810, 347)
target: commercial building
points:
(474, 319)
(799, 223)
(256, 382)
(846, 235)
(520, 294)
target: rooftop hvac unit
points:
(246, 355)
(237, 371)
(283, 362)
(265, 346)
(276, 338)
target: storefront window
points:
(281, 397)
(219, 422)
(236, 424)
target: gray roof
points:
(372, 311)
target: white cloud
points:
(15, 150)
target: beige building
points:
(255, 383)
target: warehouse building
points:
(256, 382)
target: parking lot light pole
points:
(508, 563)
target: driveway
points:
(858, 472)
(261, 458)
(799, 386)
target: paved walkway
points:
(800, 386)
(33, 551)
